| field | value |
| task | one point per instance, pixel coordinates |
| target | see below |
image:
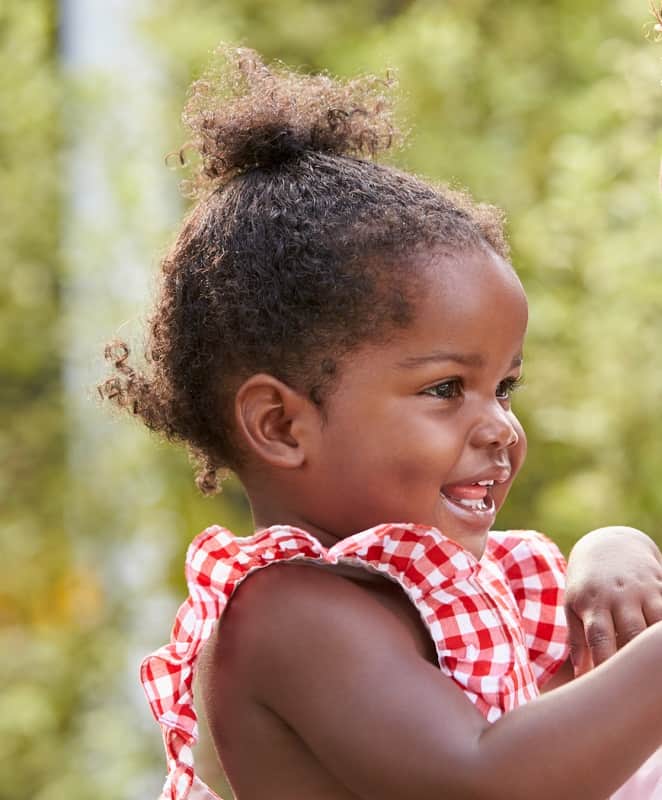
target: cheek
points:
(518, 452)
(517, 455)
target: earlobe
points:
(272, 419)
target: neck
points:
(263, 519)
(280, 503)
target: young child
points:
(346, 338)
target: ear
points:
(274, 420)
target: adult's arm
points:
(345, 673)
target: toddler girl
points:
(346, 338)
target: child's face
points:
(420, 429)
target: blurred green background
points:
(551, 110)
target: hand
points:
(614, 592)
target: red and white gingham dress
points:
(497, 623)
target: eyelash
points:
(510, 385)
(453, 389)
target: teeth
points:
(485, 483)
(475, 505)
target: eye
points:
(507, 387)
(446, 390)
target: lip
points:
(475, 519)
(472, 519)
(498, 474)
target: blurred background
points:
(551, 110)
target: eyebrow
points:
(465, 359)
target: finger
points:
(628, 623)
(580, 655)
(653, 610)
(600, 635)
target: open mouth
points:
(476, 497)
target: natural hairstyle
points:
(299, 247)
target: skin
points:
(613, 593)
(326, 678)
(431, 410)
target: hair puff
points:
(244, 114)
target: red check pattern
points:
(497, 623)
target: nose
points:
(496, 429)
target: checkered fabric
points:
(497, 623)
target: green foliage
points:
(551, 111)
(32, 444)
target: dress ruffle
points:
(495, 622)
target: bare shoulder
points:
(326, 664)
(298, 611)
(290, 628)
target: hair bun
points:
(243, 114)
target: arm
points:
(342, 670)
(563, 675)
(614, 592)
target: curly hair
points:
(299, 248)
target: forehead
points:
(471, 305)
(475, 295)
